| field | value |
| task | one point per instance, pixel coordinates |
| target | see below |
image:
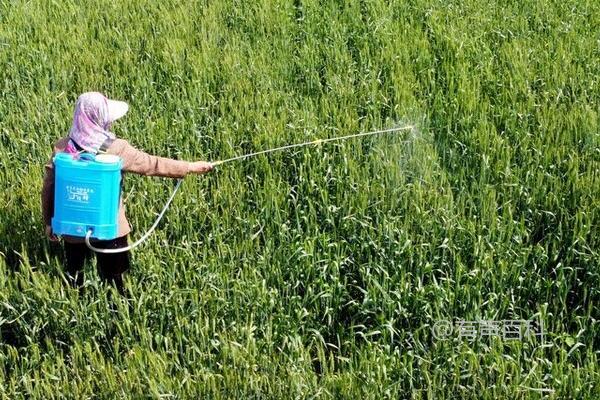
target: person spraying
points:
(91, 133)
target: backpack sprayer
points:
(88, 188)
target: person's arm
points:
(142, 163)
(48, 199)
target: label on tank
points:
(78, 194)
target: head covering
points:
(91, 122)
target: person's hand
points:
(51, 236)
(200, 167)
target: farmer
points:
(92, 120)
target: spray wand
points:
(315, 142)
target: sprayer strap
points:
(77, 146)
(105, 145)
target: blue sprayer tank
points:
(86, 195)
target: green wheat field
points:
(321, 272)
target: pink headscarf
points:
(92, 118)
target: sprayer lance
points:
(313, 142)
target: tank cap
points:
(107, 158)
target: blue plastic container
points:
(86, 195)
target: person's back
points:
(93, 116)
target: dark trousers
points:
(110, 266)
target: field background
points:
(317, 273)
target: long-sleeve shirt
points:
(134, 160)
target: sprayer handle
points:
(87, 157)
